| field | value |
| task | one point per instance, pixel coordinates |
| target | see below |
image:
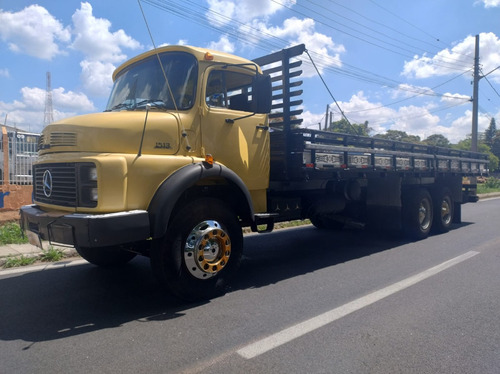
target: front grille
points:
(63, 184)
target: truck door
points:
(231, 134)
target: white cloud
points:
(28, 113)
(460, 57)
(311, 120)
(222, 12)
(463, 125)
(360, 109)
(96, 77)
(413, 119)
(455, 98)
(94, 38)
(101, 47)
(34, 99)
(33, 31)
(4, 73)
(406, 90)
(323, 49)
(223, 45)
(488, 3)
(71, 101)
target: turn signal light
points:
(209, 159)
(209, 56)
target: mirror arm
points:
(231, 120)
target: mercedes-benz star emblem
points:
(47, 183)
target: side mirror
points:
(261, 94)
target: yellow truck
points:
(195, 144)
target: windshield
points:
(143, 83)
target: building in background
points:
(18, 151)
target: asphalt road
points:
(305, 301)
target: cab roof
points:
(198, 53)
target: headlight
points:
(93, 194)
(93, 174)
(87, 186)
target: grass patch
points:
(281, 225)
(51, 255)
(13, 262)
(492, 184)
(485, 189)
(11, 233)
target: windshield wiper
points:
(119, 106)
(156, 103)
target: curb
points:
(488, 195)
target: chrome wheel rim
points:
(207, 249)
(424, 216)
(445, 212)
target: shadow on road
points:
(54, 304)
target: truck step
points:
(264, 219)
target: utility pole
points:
(49, 110)
(475, 95)
(326, 116)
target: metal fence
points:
(18, 151)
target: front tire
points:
(106, 256)
(324, 222)
(201, 250)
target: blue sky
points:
(398, 64)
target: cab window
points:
(229, 89)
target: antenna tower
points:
(49, 111)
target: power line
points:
(388, 46)
(399, 32)
(199, 14)
(456, 63)
(407, 22)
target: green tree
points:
(490, 133)
(400, 136)
(344, 127)
(483, 148)
(495, 145)
(437, 140)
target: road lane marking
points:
(282, 337)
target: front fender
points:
(162, 205)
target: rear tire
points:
(417, 214)
(323, 222)
(106, 256)
(200, 252)
(443, 211)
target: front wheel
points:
(201, 250)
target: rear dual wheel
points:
(423, 213)
(417, 214)
(443, 211)
(200, 251)
(324, 222)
